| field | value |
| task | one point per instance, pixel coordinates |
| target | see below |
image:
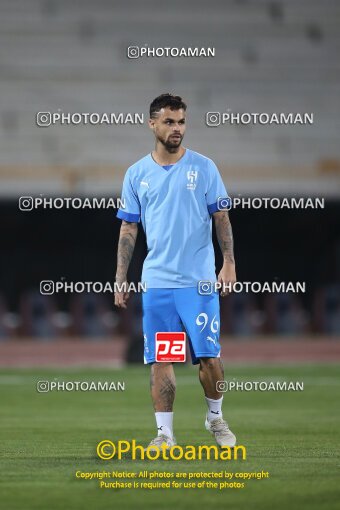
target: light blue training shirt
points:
(175, 204)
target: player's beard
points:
(171, 146)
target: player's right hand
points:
(121, 298)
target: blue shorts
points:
(182, 309)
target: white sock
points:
(164, 423)
(214, 408)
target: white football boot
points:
(220, 430)
(156, 444)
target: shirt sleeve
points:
(217, 197)
(131, 210)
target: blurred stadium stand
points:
(271, 56)
(242, 316)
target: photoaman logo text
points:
(107, 450)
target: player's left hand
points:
(227, 276)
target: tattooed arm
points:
(224, 234)
(126, 245)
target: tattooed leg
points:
(211, 371)
(163, 386)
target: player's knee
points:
(160, 366)
(208, 363)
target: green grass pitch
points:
(47, 437)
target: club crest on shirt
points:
(192, 178)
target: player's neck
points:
(163, 157)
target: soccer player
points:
(175, 192)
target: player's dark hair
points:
(166, 101)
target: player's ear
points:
(151, 123)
